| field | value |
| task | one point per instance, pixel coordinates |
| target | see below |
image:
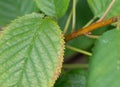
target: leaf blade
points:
(34, 46)
(76, 77)
(100, 6)
(11, 9)
(104, 67)
(55, 8)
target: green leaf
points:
(74, 78)
(55, 8)
(99, 7)
(10, 9)
(31, 52)
(105, 62)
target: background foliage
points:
(32, 44)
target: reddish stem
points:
(91, 28)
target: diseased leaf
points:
(55, 8)
(99, 7)
(31, 52)
(74, 78)
(105, 62)
(10, 9)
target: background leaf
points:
(10, 9)
(55, 8)
(74, 78)
(82, 18)
(105, 62)
(31, 52)
(99, 7)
